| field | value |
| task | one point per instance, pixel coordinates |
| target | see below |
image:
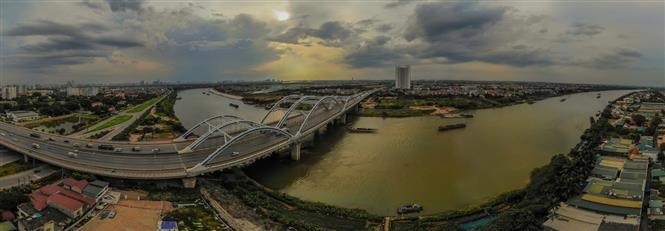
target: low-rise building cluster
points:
(58, 205)
(624, 181)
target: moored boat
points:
(411, 208)
(361, 130)
(234, 105)
(451, 127)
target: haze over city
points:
(605, 42)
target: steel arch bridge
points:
(301, 114)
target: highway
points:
(166, 163)
(26, 177)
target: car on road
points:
(35, 135)
(155, 150)
(37, 171)
(235, 153)
(51, 139)
(72, 154)
(106, 147)
(66, 141)
(76, 145)
(3, 134)
(136, 149)
(35, 146)
(117, 150)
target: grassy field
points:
(195, 218)
(144, 105)
(115, 121)
(12, 168)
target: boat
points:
(178, 98)
(234, 105)
(530, 101)
(451, 127)
(411, 208)
(563, 99)
(466, 115)
(598, 96)
(361, 130)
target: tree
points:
(516, 219)
(638, 119)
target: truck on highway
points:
(106, 147)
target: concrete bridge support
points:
(295, 151)
(343, 119)
(26, 158)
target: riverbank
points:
(216, 92)
(524, 208)
(405, 106)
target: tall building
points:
(8, 92)
(403, 77)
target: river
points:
(409, 161)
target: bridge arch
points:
(244, 134)
(319, 103)
(279, 102)
(206, 122)
(293, 107)
(219, 128)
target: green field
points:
(115, 121)
(12, 168)
(144, 105)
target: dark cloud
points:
(43, 27)
(454, 21)
(383, 28)
(333, 33)
(582, 29)
(372, 56)
(455, 32)
(95, 5)
(616, 58)
(398, 3)
(126, 5)
(65, 44)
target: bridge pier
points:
(26, 158)
(189, 182)
(295, 151)
(343, 119)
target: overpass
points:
(217, 143)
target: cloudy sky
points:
(99, 41)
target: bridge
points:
(215, 144)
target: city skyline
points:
(129, 41)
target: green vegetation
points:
(115, 121)
(394, 112)
(162, 124)
(144, 105)
(165, 107)
(124, 135)
(15, 167)
(302, 215)
(12, 197)
(195, 218)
